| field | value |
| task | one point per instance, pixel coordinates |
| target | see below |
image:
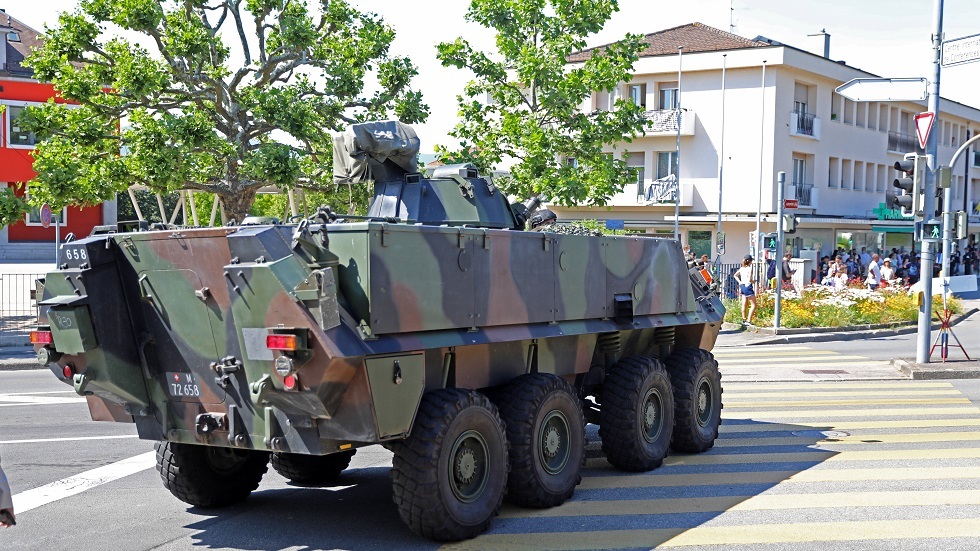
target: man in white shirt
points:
(874, 273)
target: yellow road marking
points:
(761, 502)
(656, 480)
(831, 413)
(823, 456)
(774, 360)
(851, 425)
(850, 439)
(736, 387)
(869, 402)
(777, 354)
(868, 392)
(928, 529)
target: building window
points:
(636, 161)
(833, 172)
(17, 135)
(669, 95)
(638, 94)
(571, 162)
(666, 164)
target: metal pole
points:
(762, 139)
(677, 159)
(57, 240)
(781, 182)
(721, 162)
(929, 208)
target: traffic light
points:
(961, 222)
(944, 177)
(789, 223)
(912, 183)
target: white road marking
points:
(8, 400)
(67, 487)
(72, 439)
(38, 392)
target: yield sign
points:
(923, 124)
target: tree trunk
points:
(236, 205)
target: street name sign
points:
(961, 50)
(885, 89)
(791, 204)
(923, 125)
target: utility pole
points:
(781, 182)
(929, 208)
(677, 178)
(721, 168)
(762, 140)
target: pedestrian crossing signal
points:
(932, 231)
(769, 241)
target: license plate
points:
(183, 385)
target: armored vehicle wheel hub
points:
(555, 435)
(704, 402)
(469, 457)
(652, 420)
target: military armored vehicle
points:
(435, 325)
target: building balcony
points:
(805, 193)
(804, 124)
(903, 143)
(653, 194)
(664, 122)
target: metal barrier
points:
(18, 310)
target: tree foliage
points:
(221, 96)
(534, 115)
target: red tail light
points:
(290, 382)
(280, 342)
(41, 337)
(68, 371)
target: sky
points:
(890, 38)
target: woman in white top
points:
(745, 276)
(887, 273)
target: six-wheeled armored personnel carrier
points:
(435, 325)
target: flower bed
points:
(821, 306)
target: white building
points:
(838, 155)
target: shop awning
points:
(893, 229)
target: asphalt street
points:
(856, 464)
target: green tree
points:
(230, 96)
(533, 115)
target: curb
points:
(956, 369)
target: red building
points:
(28, 239)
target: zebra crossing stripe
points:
(807, 386)
(745, 534)
(851, 439)
(827, 393)
(920, 410)
(657, 480)
(727, 429)
(763, 502)
(822, 456)
(865, 402)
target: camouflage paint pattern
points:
(168, 329)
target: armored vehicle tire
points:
(311, 469)
(697, 399)
(450, 475)
(546, 431)
(637, 414)
(210, 476)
